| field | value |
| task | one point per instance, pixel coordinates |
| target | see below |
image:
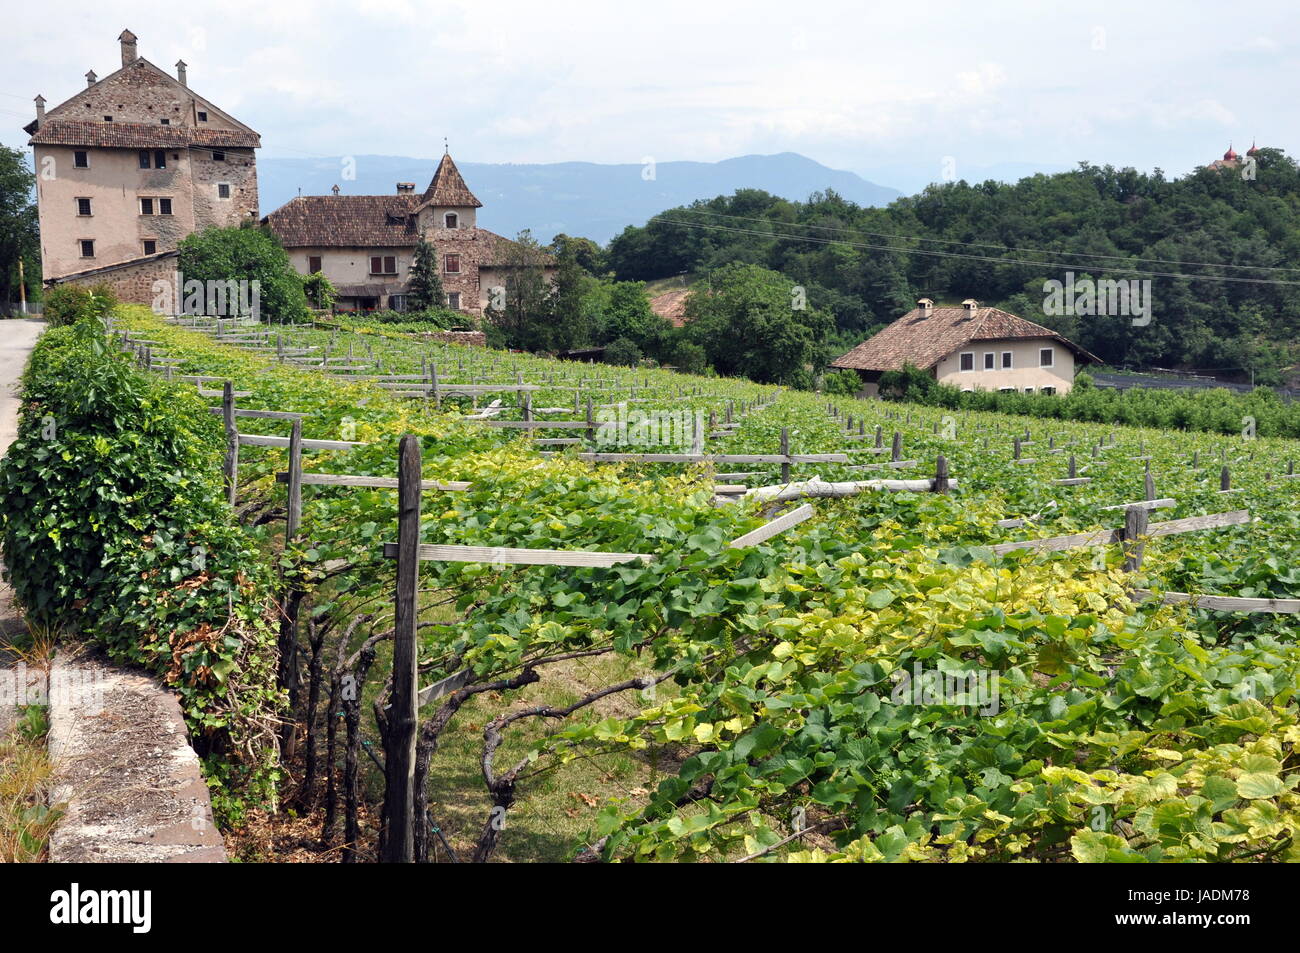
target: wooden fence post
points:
(1149, 485)
(785, 451)
(230, 466)
(1074, 468)
(1135, 525)
(399, 765)
(896, 451)
(941, 474)
(880, 438)
(294, 520)
(1225, 479)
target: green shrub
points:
(320, 291)
(66, 304)
(841, 383)
(114, 528)
(247, 254)
(623, 352)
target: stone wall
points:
(133, 281)
(467, 338)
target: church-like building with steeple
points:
(365, 243)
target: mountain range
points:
(578, 198)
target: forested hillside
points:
(1219, 249)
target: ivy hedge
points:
(114, 529)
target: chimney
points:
(180, 72)
(127, 39)
(970, 304)
(405, 188)
(926, 306)
(40, 107)
(91, 77)
(335, 190)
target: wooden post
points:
(731, 406)
(896, 451)
(1225, 479)
(1149, 485)
(230, 465)
(941, 474)
(1135, 525)
(785, 451)
(433, 385)
(1015, 449)
(591, 419)
(1074, 468)
(880, 438)
(294, 520)
(399, 766)
(528, 405)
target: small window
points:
(203, 117)
(108, 119)
(1006, 390)
(1047, 390)
(397, 302)
(223, 190)
(150, 246)
(376, 265)
(146, 206)
(144, 159)
(451, 264)
(80, 160)
(1045, 357)
(988, 360)
(453, 300)
(390, 265)
(87, 248)
(313, 264)
(968, 361)
(1029, 390)
(165, 122)
(1006, 360)
(451, 219)
(218, 157)
(159, 159)
(164, 206)
(83, 206)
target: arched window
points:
(451, 219)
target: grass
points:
(25, 816)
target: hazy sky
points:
(887, 90)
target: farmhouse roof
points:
(923, 340)
(448, 188)
(356, 221)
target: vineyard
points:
(661, 617)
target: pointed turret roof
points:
(448, 188)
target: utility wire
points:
(987, 258)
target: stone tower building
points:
(129, 166)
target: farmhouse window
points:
(453, 300)
(164, 206)
(988, 360)
(451, 264)
(1045, 357)
(80, 160)
(108, 119)
(87, 248)
(150, 246)
(1006, 360)
(165, 122)
(1049, 390)
(1029, 390)
(159, 159)
(146, 206)
(144, 158)
(397, 302)
(83, 206)
(451, 219)
(203, 117)
(223, 190)
(218, 157)
(313, 264)
(968, 361)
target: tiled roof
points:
(137, 135)
(448, 188)
(924, 341)
(357, 221)
(671, 305)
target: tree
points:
(19, 227)
(570, 328)
(320, 291)
(522, 310)
(223, 255)
(424, 285)
(756, 323)
(588, 254)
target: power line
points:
(987, 258)
(1033, 251)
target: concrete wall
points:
(1025, 368)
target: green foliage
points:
(1089, 215)
(750, 322)
(424, 284)
(320, 291)
(841, 383)
(114, 528)
(66, 304)
(247, 254)
(525, 318)
(622, 352)
(19, 229)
